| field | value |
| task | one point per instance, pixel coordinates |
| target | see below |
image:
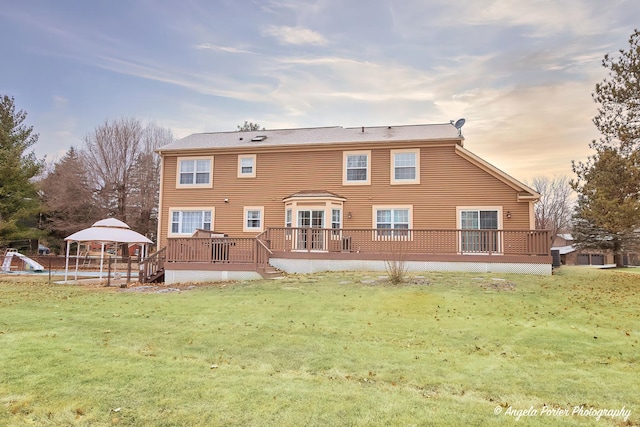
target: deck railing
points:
(432, 242)
(207, 249)
(256, 251)
(151, 265)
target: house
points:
(569, 254)
(335, 198)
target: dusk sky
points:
(520, 72)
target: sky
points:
(521, 72)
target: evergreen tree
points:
(69, 201)
(608, 184)
(19, 199)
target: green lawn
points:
(325, 349)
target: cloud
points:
(295, 35)
(226, 49)
(527, 130)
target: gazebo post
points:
(66, 264)
(115, 264)
(101, 258)
(77, 258)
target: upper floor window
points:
(356, 168)
(247, 166)
(195, 172)
(186, 221)
(405, 166)
(253, 218)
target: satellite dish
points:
(459, 123)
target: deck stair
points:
(271, 273)
(152, 268)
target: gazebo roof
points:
(108, 230)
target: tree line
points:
(114, 173)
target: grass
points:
(324, 349)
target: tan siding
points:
(447, 181)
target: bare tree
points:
(144, 190)
(110, 153)
(554, 209)
(249, 126)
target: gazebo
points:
(105, 231)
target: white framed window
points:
(194, 172)
(393, 221)
(288, 218)
(356, 168)
(247, 166)
(405, 166)
(336, 221)
(253, 218)
(185, 221)
(480, 229)
(288, 222)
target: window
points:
(186, 221)
(405, 166)
(392, 221)
(336, 221)
(195, 172)
(479, 230)
(252, 218)
(247, 166)
(288, 218)
(356, 168)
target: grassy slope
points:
(322, 350)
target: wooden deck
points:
(252, 254)
(233, 253)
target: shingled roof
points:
(312, 136)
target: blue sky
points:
(521, 72)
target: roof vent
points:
(259, 138)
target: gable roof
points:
(524, 191)
(312, 136)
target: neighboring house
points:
(342, 198)
(569, 255)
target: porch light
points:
(509, 214)
(349, 215)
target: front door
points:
(310, 233)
